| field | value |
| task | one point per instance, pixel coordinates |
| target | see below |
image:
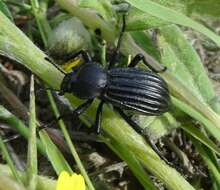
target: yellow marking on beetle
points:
(68, 66)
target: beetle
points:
(126, 88)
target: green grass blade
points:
(172, 16)
(210, 127)
(9, 161)
(13, 121)
(39, 11)
(32, 142)
(54, 155)
(70, 143)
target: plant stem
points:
(6, 155)
(39, 11)
(24, 6)
(70, 143)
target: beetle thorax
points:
(86, 82)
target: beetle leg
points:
(116, 52)
(133, 124)
(79, 110)
(140, 57)
(97, 125)
(139, 129)
(85, 55)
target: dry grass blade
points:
(32, 142)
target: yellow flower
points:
(70, 182)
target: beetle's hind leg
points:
(135, 126)
(97, 124)
(139, 129)
(140, 57)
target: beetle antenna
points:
(54, 64)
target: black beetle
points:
(130, 88)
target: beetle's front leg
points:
(78, 111)
(140, 57)
(85, 55)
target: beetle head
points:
(69, 80)
(85, 82)
(65, 85)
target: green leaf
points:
(204, 7)
(183, 61)
(172, 16)
(54, 155)
(139, 20)
(157, 127)
(144, 40)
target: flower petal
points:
(73, 182)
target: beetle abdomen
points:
(138, 90)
